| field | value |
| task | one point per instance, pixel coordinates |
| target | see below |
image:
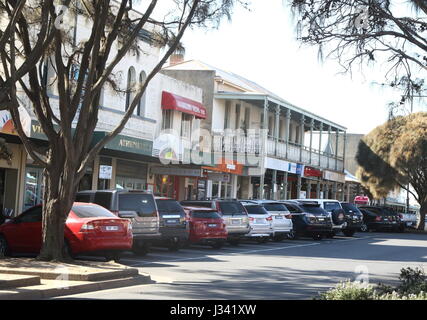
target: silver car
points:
(260, 221)
(138, 206)
(281, 218)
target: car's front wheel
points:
(4, 247)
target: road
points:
(296, 269)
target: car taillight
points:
(129, 226)
(251, 219)
(87, 227)
(270, 218)
(378, 218)
(288, 216)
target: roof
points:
(249, 89)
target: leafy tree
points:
(360, 33)
(32, 33)
(395, 154)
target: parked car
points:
(260, 221)
(138, 206)
(340, 221)
(281, 218)
(232, 212)
(89, 229)
(174, 228)
(410, 219)
(380, 218)
(309, 219)
(206, 227)
(353, 218)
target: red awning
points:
(172, 101)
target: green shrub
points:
(413, 286)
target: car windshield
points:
(275, 207)
(202, 214)
(92, 211)
(313, 209)
(143, 204)
(169, 206)
(256, 210)
(231, 208)
(350, 208)
(329, 206)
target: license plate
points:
(321, 219)
(279, 217)
(112, 228)
(409, 223)
(235, 221)
(171, 221)
(259, 220)
(211, 225)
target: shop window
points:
(227, 115)
(34, 188)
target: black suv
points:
(173, 225)
(353, 217)
(232, 212)
(380, 218)
(309, 219)
(138, 206)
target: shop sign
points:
(312, 172)
(292, 168)
(125, 143)
(300, 169)
(361, 200)
(333, 176)
(217, 176)
(105, 172)
(227, 166)
(6, 123)
(276, 164)
(176, 171)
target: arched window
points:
(130, 89)
(141, 105)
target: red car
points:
(206, 226)
(89, 228)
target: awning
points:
(172, 101)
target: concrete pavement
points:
(285, 270)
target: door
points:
(34, 188)
(26, 234)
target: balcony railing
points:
(288, 151)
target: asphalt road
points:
(277, 270)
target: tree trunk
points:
(423, 211)
(58, 199)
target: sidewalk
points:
(25, 278)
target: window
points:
(130, 88)
(329, 206)
(275, 207)
(169, 206)
(167, 122)
(246, 122)
(293, 209)
(256, 210)
(92, 211)
(103, 199)
(237, 122)
(83, 197)
(141, 104)
(32, 215)
(186, 125)
(143, 204)
(205, 214)
(229, 207)
(271, 126)
(227, 115)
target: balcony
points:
(290, 151)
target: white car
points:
(410, 219)
(281, 218)
(260, 221)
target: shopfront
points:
(224, 178)
(178, 183)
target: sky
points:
(261, 46)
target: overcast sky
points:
(260, 45)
